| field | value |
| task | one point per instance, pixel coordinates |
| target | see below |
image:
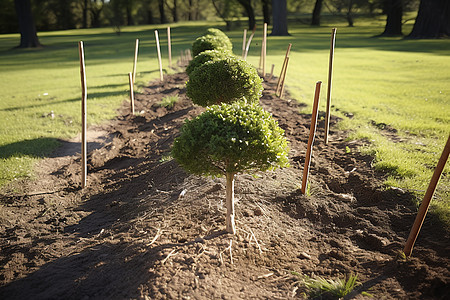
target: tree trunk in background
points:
(162, 13)
(190, 14)
(250, 13)
(279, 14)
(316, 13)
(27, 28)
(349, 14)
(433, 20)
(129, 8)
(85, 13)
(175, 11)
(394, 10)
(266, 11)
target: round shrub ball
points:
(211, 42)
(224, 81)
(205, 56)
(216, 32)
(231, 138)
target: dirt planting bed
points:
(145, 229)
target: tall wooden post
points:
(83, 116)
(229, 220)
(283, 71)
(169, 45)
(130, 79)
(161, 77)
(423, 209)
(330, 72)
(312, 133)
(243, 42)
(136, 47)
(264, 50)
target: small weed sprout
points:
(169, 101)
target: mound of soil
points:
(143, 228)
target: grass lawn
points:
(383, 83)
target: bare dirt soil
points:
(145, 229)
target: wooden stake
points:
(271, 72)
(130, 77)
(312, 133)
(161, 77)
(229, 220)
(426, 200)
(330, 72)
(264, 50)
(169, 45)
(243, 42)
(284, 77)
(283, 67)
(83, 116)
(136, 47)
(249, 42)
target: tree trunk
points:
(432, 20)
(28, 35)
(349, 14)
(190, 14)
(316, 13)
(266, 11)
(162, 13)
(279, 14)
(85, 13)
(250, 13)
(129, 7)
(230, 226)
(394, 18)
(175, 11)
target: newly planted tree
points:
(224, 81)
(205, 56)
(228, 139)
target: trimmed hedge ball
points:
(216, 32)
(211, 42)
(224, 81)
(205, 56)
(231, 138)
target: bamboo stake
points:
(330, 72)
(136, 47)
(161, 77)
(249, 42)
(271, 72)
(169, 45)
(277, 91)
(426, 200)
(312, 133)
(264, 48)
(83, 116)
(130, 79)
(284, 78)
(181, 57)
(243, 42)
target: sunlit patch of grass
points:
(319, 287)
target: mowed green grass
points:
(384, 83)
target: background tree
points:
(394, 11)
(247, 5)
(226, 10)
(27, 28)
(433, 20)
(279, 14)
(266, 11)
(316, 13)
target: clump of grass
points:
(169, 101)
(329, 288)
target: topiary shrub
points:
(211, 42)
(205, 56)
(228, 139)
(224, 81)
(216, 32)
